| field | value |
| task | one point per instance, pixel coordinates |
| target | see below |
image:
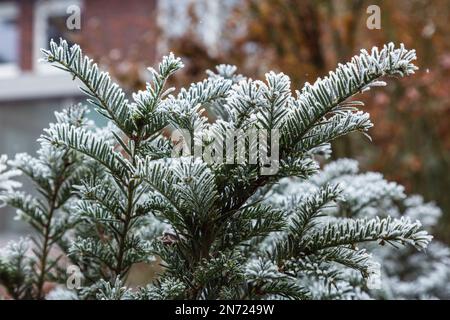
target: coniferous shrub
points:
(403, 273)
(159, 186)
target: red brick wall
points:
(25, 20)
(112, 31)
(121, 34)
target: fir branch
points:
(327, 94)
(88, 144)
(220, 231)
(105, 95)
(6, 181)
(392, 231)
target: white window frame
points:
(42, 11)
(9, 10)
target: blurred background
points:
(302, 38)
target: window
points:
(9, 43)
(50, 20)
(56, 28)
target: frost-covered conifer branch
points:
(403, 269)
(401, 231)
(87, 143)
(139, 121)
(54, 172)
(106, 95)
(329, 95)
(6, 181)
(16, 270)
(216, 230)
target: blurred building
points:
(30, 91)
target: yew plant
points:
(109, 198)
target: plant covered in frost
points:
(110, 198)
(54, 172)
(405, 273)
(7, 181)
